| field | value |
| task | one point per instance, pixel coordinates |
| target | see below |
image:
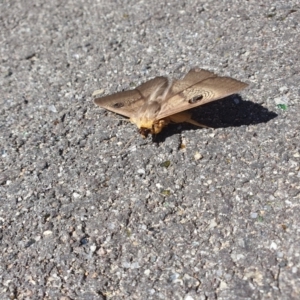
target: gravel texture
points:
(90, 210)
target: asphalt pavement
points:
(91, 210)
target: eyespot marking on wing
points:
(195, 99)
(196, 95)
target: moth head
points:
(144, 132)
(155, 128)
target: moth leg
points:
(159, 125)
(191, 121)
(185, 116)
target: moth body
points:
(146, 118)
(160, 101)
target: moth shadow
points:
(231, 111)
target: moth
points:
(161, 101)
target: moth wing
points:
(194, 76)
(204, 91)
(127, 103)
(123, 103)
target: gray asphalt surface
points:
(90, 210)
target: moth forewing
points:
(203, 92)
(129, 103)
(123, 103)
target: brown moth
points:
(160, 101)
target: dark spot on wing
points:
(195, 99)
(118, 105)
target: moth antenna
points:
(154, 96)
(167, 90)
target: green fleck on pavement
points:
(282, 106)
(165, 164)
